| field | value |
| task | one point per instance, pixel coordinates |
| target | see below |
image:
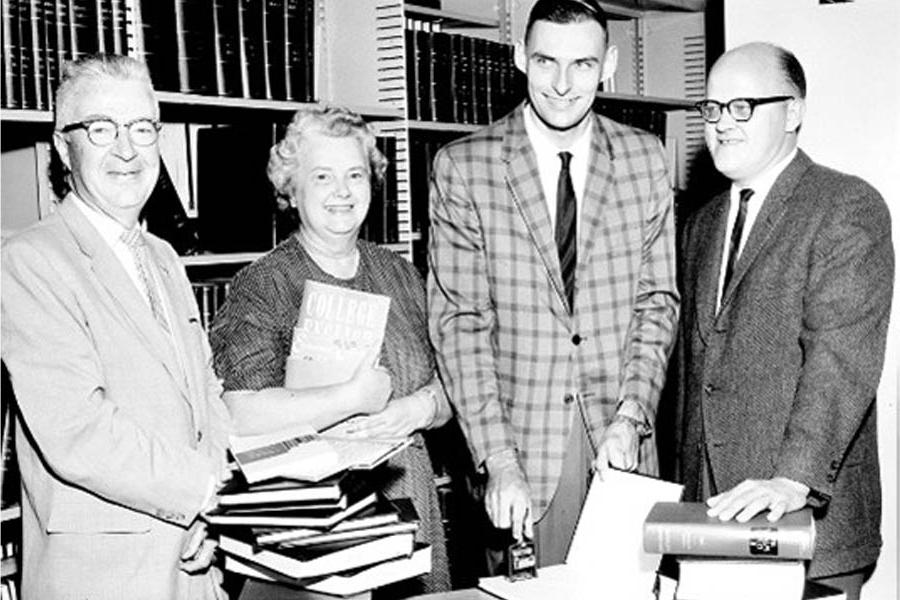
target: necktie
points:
(566, 212)
(134, 239)
(736, 233)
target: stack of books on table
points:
(727, 559)
(321, 526)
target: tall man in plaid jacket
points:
(544, 385)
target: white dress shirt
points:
(549, 163)
(760, 186)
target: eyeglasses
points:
(104, 132)
(740, 109)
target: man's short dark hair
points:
(792, 71)
(566, 11)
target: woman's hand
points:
(400, 418)
(370, 387)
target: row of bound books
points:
(261, 49)
(304, 510)
(39, 35)
(454, 78)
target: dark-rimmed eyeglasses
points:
(740, 109)
(104, 132)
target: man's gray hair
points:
(95, 66)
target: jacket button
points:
(835, 465)
(568, 399)
(199, 436)
(830, 478)
(709, 388)
(576, 339)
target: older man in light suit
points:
(552, 284)
(788, 279)
(122, 437)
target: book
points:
(348, 583)
(224, 518)
(302, 565)
(383, 512)
(298, 452)
(684, 528)
(717, 578)
(331, 491)
(401, 511)
(336, 329)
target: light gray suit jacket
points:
(118, 438)
(781, 380)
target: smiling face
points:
(331, 188)
(116, 179)
(564, 64)
(743, 150)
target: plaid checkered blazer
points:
(514, 360)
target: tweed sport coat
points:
(509, 352)
(782, 380)
(118, 439)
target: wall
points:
(850, 53)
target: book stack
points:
(727, 559)
(303, 510)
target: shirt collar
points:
(109, 229)
(763, 182)
(544, 143)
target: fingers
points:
(202, 559)
(751, 497)
(196, 535)
(508, 504)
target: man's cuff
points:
(501, 459)
(632, 413)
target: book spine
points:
(718, 539)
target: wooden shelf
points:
(449, 18)
(171, 100)
(232, 258)
(655, 101)
(26, 116)
(438, 126)
(10, 513)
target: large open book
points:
(336, 328)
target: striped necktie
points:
(566, 212)
(134, 239)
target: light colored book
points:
(296, 453)
(718, 578)
(337, 328)
(303, 519)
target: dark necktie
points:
(566, 212)
(736, 237)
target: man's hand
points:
(198, 552)
(752, 496)
(507, 498)
(618, 448)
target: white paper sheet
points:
(606, 558)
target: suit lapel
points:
(600, 175)
(524, 183)
(770, 215)
(708, 255)
(125, 299)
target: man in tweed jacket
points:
(780, 365)
(536, 385)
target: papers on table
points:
(606, 558)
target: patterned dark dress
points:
(251, 339)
